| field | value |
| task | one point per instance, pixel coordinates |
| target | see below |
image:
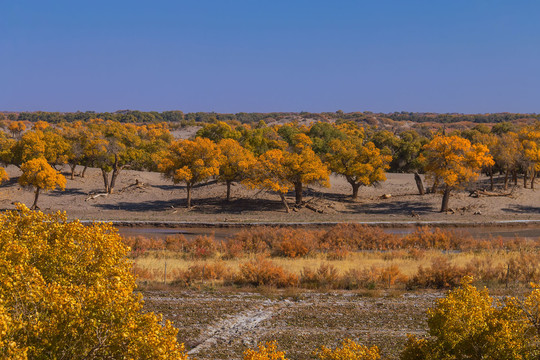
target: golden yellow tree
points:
(35, 144)
(470, 324)
(236, 163)
(280, 171)
(40, 125)
(530, 153)
(303, 166)
(270, 173)
(266, 351)
(361, 164)
(37, 173)
(349, 350)
(3, 175)
(191, 162)
(16, 127)
(452, 162)
(67, 292)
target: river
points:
(479, 232)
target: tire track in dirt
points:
(242, 326)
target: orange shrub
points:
(294, 243)
(426, 237)
(353, 237)
(524, 268)
(202, 247)
(139, 244)
(441, 274)
(326, 276)
(176, 243)
(256, 240)
(202, 272)
(264, 272)
(372, 278)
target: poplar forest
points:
(325, 235)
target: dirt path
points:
(244, 326)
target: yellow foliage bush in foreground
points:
(66, 292)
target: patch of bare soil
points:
(147, 196)
(220, 325)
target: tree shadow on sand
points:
(215, 205)
(394, 207)
(522, 209)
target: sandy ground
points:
(159, 200)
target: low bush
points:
(326, 276)
(264, 272)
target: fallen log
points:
(92, 197)
(488, 193)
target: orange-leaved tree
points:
(67, 292)
(361, 164)
(37, 173)
(236, 163)
(191, 162)
(452, 162)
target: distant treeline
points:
(177, 116)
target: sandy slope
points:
(160, 200)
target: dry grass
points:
(153, 265)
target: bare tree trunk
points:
(113, 180)
(84, 170)
(514, 177)
(446, 197)
(525, 179)
(72, 167)
(36, 196)
(188, 188)
(284, 201)
(506, 174)
(115, 173)
(298, 192)
(419, 184)
(228, 182)
(355, 188)
(491, 178)
(533, 176)
(105, 180)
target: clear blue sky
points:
(469, 56)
